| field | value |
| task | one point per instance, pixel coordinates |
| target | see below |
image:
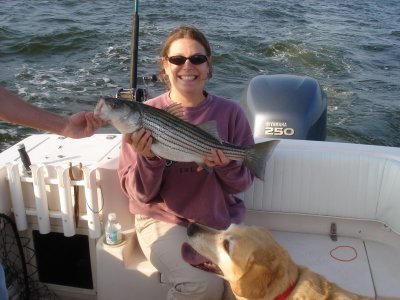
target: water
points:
(61, 55)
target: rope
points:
(332, 253)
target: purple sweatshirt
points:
(176, 192)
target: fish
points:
(178, 140)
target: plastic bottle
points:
(113, 230)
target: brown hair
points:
(182, 32)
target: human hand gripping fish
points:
(141, 142)
(160, 132)
(217, 159)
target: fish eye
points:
(114, 104)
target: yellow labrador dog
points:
(257, 267)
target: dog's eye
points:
(225, 244)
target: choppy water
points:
(61, 55)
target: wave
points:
(58, 42)
(375, 47)
(308, 57)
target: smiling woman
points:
(186, 65)
(154, 185)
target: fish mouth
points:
(99, 109)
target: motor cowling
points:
(286, 106)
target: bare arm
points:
(15, 110)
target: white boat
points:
(309, 186)
(334, 206)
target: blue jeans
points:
(3, 287)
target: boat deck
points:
(363, 266)
(365, 258)
(345, 261)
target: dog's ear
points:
(262, 271)
(254, 284)
(231, 266)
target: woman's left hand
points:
(217, 159)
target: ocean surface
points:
(61, 55)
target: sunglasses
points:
(196, 59)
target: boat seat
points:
(330, 179)
(123, 272)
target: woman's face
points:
(187, 78)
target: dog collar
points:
(286, 293)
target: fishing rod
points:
(134, 47)
(134, 93)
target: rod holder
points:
(92, 207)
(14, 180)
(5, 203)
(64, 191)
(39, 190)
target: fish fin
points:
(176, 109)
(211, 128)
(257, 157)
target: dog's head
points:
(249, 258)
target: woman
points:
(166, 196)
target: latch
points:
(333, 233)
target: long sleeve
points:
(235, 177)
(140, 177)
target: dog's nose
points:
(191, 229)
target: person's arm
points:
(15, 110)
(233, 176)
(140, 173)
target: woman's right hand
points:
(140, 142)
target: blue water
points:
(61, 55)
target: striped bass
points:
(177, 140)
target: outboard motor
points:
(286, 106)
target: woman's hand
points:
(140, 142)
(217, 159)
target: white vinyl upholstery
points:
(331, 179)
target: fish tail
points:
(257, 157)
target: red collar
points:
(286, 293)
